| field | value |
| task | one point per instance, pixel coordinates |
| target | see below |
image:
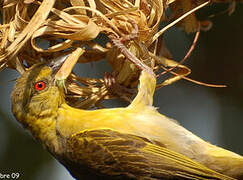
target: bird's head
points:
(36, 93)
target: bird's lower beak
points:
(63, 66)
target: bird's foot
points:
(119, 44)
(116, 89)
(147, 78)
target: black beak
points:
(57, 63)
(62, 66)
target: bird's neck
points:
(40, 118)
(44, 130)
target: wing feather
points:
(109, 154)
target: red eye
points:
(40, 85)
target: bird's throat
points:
(44, 130)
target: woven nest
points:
(131, 27)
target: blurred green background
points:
(214, 114)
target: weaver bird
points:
(135, 142)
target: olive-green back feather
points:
(110, 154)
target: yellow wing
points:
(105, 154)
(142, 120)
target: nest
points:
(130, 26)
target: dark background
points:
(214, 114)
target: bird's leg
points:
(146, 88)
(147, 78)
(118, 42)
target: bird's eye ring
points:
(40, 85)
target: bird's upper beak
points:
(57, 63)
(63, 66)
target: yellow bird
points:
(135, 142)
